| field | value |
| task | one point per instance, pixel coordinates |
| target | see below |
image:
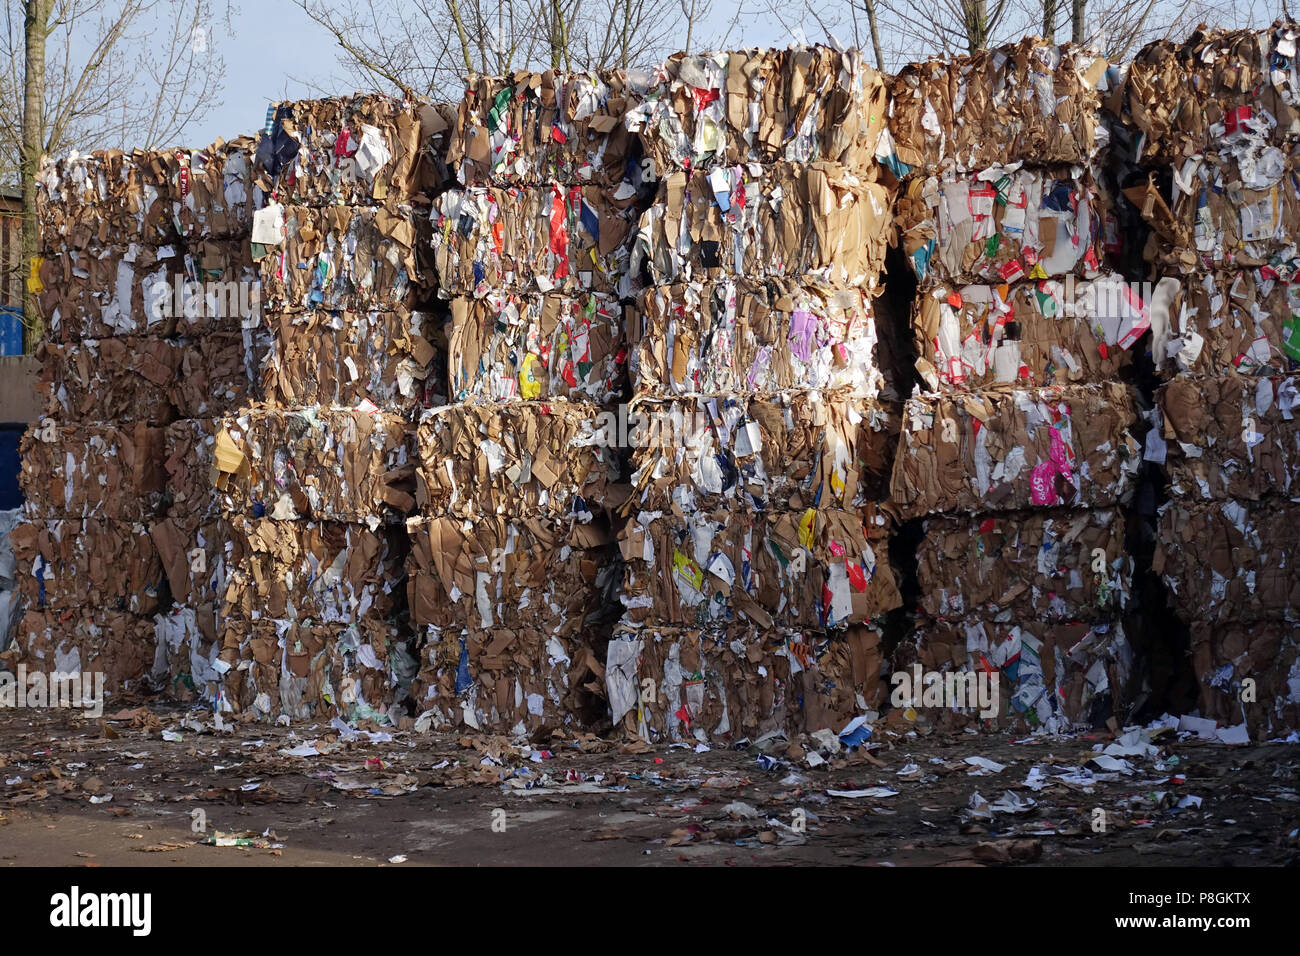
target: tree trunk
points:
(35, 24)
(1049, 19)
(870, 6)
(977, 24)
(1077, 18)
(559, 38)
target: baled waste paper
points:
(361, 150)
(1032, 101)
(1044, 332)
(1013, 448)
(738, 336)
(529, 129)
(762, 106)
(507, 346)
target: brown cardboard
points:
(124, 290)
(782, 453)
(535, 128)
(1029, 333)
(819, 222)
(1001, 224)
(762, 106)
(96, 563)
(1229, 562)
(343, 258)
(93, 471)
(810, 569)
(726, 684)
(146, 379)
(345, 358)
(356, 150)
(1225, 656)
(328, 464)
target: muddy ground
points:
(124, 790)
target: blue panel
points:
(11, 434)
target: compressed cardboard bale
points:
(1231, 208)
(1219, 85)
(150, 196)
(197, 554)
(93, 471)
(92, 563)
(518, 458)
(534, 239)
(519, 680)
(1229, 438)
(1008, 449)
(122, 290)
(320, 572)
(1225, 655)
(187, 663)
(506, 346)
(534, 128)
(819, 222)
(305, 671)
(494, 572)
(1230, 562)
(152, 380)
(1224, 322)
(328, 464)
(1003, 224)
(767, 454)
(92, 641)
(357, 150)
(799, 105)
(1044, 566)
(1030, 333)
(1031, 101)
(1051, 677)
(744, 336)
(220, 375)
(340, 258)
(122, 379)
(348, 358)
(726, 684)
(809, 569)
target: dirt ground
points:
(124, 790)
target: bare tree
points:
(84, 74)
(428, 46)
